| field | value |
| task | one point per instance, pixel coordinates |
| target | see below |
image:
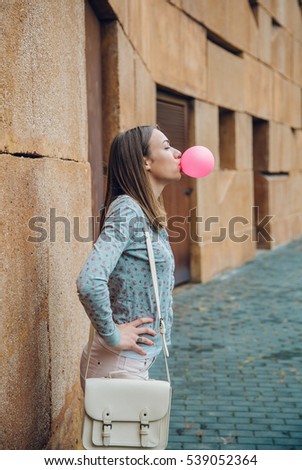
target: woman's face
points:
(163, 161)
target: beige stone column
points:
(46, 189)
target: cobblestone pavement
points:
(236, 357)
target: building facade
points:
(226, 74)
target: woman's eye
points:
(167, 148)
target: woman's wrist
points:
(113, 339)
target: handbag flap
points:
(126, 398)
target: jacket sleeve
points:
(92, 282)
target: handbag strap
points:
(162, 328)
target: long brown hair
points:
(127, 175)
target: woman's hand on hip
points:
(130, 333)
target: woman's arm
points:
(92, 282)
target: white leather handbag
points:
(128, 413)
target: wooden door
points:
(172, 117)
(94, 109)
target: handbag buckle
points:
(107, 426)
(143, 426)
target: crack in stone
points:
(36, 155)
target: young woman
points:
(115, 284)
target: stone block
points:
(273, 196)
(221, 18)
(258, 88)
(206, 127)
(298, 150)
(195, 9)
(282, 45)
(42, 321)
(206, 205)
(296, 225)
(242, 33)
(225, 78)
(286, 13)
(126, 84)
(218, 258)
(44, 79)
(145, 94)
(128, 88)
(226, 228)
(281, 230)
(297, 63)
(25, 349)
(281, 148)
(264, 35)
(232, 183)
(287, 102)
(121, 10)
(295, 193)
(273, 147)
(68, 248)
(295, 23)
(150, 25)
(180, 68)
(110, 84)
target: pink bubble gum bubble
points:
(197, 161)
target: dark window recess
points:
(260, 144)
(172, 119)
(275, 173)
(219, 41)
(227, 138)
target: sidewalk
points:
(236, 359)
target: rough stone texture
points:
(281, 148)
(45, 100)
(297, 63)
(298, 153)
(225, 78)
(282, 42)
(258, 88)
(206, 127)
(275, 151)
(67, 249)
(110, 84)
(150, 25)
(181, 68)
(220, 229)
(264, 35)
(286, 92)
(279, 196)
(43, 316)
(287, 14)
(129, 92)
(222, 19)
(137, 91)
(25, 403)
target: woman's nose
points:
(177, 153)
